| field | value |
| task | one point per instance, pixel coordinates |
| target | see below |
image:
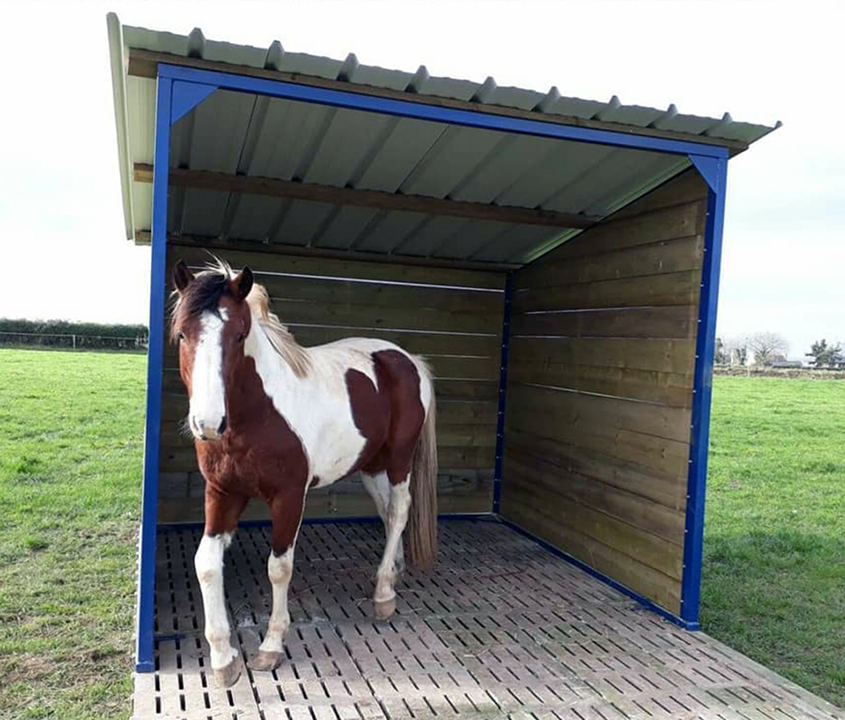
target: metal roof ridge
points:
(195, 43)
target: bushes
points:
(62, 333)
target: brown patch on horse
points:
(389, 416)
(370, 412)
(258, 456)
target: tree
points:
(736, 350)
(722, 355)
(765, 346)
(825, 355)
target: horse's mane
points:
(280, 337)
(210, 283)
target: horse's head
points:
(210, 322)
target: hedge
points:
(62, 333)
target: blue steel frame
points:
(716, 173)
(181, 89)
(503, 394)
(145, 623)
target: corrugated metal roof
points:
(236, 133)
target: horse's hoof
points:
(384, 608)
(266, 660)
(227, 676)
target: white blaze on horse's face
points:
(207, 417)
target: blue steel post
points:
(705, 349)
(503, 393)
(145, 622)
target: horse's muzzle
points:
(205, 432)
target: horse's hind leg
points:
(221, 519)
(378, 486)
(384, 599)
(286, 509)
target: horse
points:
(272, 419)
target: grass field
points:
(71, 428)
(774, 548)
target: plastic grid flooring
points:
(501, 629)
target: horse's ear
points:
(182, 276)
(242, 284)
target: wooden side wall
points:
(602, 354)
(452, 317)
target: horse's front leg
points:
(221, 520)
(286, 509)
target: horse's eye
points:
(241, 337)
(181, 336)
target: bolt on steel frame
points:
(181, 89)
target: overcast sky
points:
(63, 247)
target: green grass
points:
(71, 429)
(774, 548)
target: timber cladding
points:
(602, 354)
(451, 316)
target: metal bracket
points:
(711, 169)
(186, 96)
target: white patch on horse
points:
(317, 406)
(209, 566)
(208, 392)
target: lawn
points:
(71, 429)
(774, 548)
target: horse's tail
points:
(422, 523)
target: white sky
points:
(784, 247)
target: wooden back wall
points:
(452, 317)
(601, 364)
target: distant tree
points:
(736, 350)
(722, 356)
(825, 355)
(766, 346)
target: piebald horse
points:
(272, 419)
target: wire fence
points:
(74, 341)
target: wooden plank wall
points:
(452, 317)
(600, 387)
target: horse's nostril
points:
(222, 427)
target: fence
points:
(76, 341)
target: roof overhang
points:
(330, 179)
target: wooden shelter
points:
(557, 261)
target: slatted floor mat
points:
(501, 629)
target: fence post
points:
(74, 341)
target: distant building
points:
(784, 363)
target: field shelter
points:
(557, 261)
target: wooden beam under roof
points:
(144, 63)
(144, 237)
(376, 199)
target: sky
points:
(61, 223)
